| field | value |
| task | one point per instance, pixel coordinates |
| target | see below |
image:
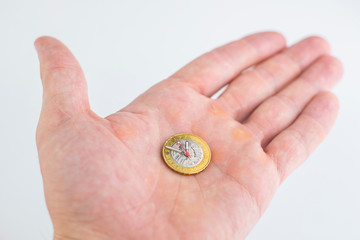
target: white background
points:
(127, 46)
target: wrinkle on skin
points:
(176, 199)
(244, 187)
(200, 188)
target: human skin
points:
(104, 178)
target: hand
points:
(100, 185)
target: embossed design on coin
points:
(195, 151)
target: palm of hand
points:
(106, 177)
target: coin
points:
(186, 153)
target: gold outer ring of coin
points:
(187, 170)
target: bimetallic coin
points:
(186, 153)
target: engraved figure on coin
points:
(195, 151)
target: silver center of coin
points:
(195, 151)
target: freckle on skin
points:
(217, 110)
(240, 134)
(125, 130)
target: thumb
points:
(64, 84)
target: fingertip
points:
(277, 35)
(266, 43)
(280, 38)
(274, 34)
(324, 73)
(333, 66)
(319, 42)
(329, 101)
(271, 36)
(338, 66)
(45, 42)
(324, 107)
(39, 42)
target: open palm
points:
(105, 178)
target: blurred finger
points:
(211, 71)
(278, 111)
(293, 145)
(251, 88)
